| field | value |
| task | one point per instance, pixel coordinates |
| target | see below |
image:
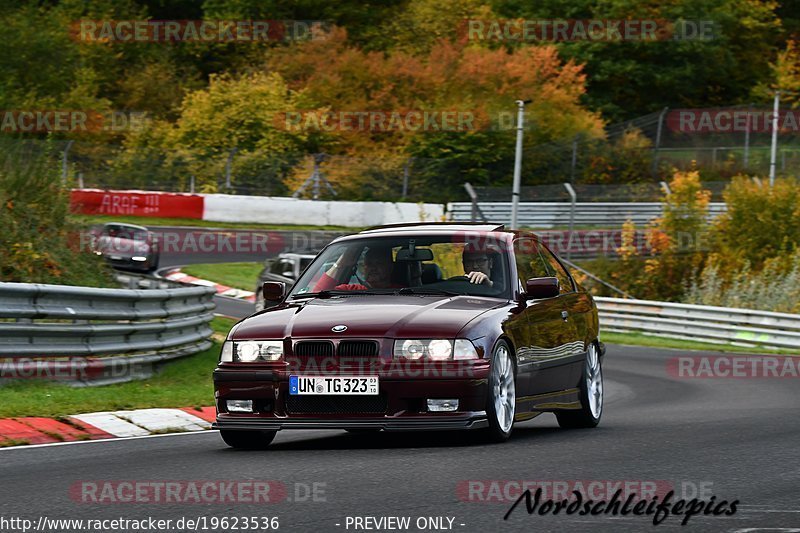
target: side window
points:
(557, 270)
(529, 261)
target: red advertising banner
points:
(136, 203)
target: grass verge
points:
(86, 220)
(639, 339)
(183, 383)
(237, 275)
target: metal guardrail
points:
(118, 334)
(557, 214)
(744, 327)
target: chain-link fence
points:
(627, 164)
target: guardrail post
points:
(476, 209)
(573, 201)
(665, 187)
(574, 159)
(64, 163)
(228, 166)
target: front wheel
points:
(501, 400)
(247, 440)
(591, 395)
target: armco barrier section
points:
(557, 214)
(253, 209)
(270, 210)
(745, 327)
(115, 334)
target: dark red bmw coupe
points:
(415, 327)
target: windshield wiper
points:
(329, 293)
(428, 292)
(320, 294)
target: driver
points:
(478, 265)
(378, 266)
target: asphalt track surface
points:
(733, 439)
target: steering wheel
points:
(458, 278)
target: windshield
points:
(124, 232)
(428, 264)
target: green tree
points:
(632, 78)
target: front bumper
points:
(401, 405)
(437, 422)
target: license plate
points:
(116, 257)
(335, 385)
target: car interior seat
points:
(431, 273)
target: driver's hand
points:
(479, 278)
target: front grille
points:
(345, 405)
(358, 349)
(314, 349)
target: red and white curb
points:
(104, 425)
(222, 290)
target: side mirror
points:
(541, 288)
(273, 291)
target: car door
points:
(541, 360)
(577, 306)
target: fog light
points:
(240, 406)
(438, 406)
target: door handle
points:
(564, 315)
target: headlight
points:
(435, 349)
(416, 349)
(251, 351)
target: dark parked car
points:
(128, 246)
(285, 268)
(415, 327)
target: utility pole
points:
(518, 163)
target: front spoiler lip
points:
(475, 420)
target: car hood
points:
(365, 316)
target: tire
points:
(154, 261)
(591, 394)
(501, 397)
(247, 440)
